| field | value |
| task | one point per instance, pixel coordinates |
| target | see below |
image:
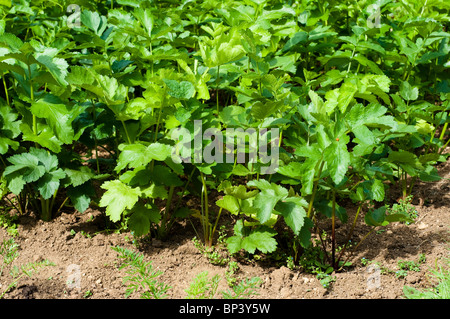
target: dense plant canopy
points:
(352, 97)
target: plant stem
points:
(6, 88)
(35, 129)
(217, 89)
(350, 233)
(444, 129)
(441, 137)
(151, 53)
(443, 147)
(46, 213)
(62, 205)
(126, 132)
(405, 184)
(411, 185)
(316, 183)
(333, 236)
(205, 212)
(350, 62)
(95, 137)
(215, 225)
(354, 249)
(184, 189)
(53, 200)
(164, 227)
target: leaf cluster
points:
(358, 94)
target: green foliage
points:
(441, 289)
(213, 254)
(360, 101)
(405, 208)
(409, 265)
(244, 289)
(9, 251)
(204, 287)
(39, 167)
(141, 275)
(260, 238)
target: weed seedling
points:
(211, 253)
(404, 207)
(141, 275)
(230, 273)
(8, 249)
(203, 287)
(441, 289)
(409, 265)
(244, 289)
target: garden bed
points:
(77, 239)
(100, 102)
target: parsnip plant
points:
(270, 115)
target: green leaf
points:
(266, 200)
(423, 127)
(261, 239)
(94, 21)
(25, 169)
(338, 159)
(137, 177)
(57, 116)
(304, 235)
(145, 17)
(230, 203)
(45, 138)
(155, 191)
(326, 207)
(138, 155)
(183, 90)
(297, 38)
(6, 3)
(117, 198)
(292, 209)
(9, 128)
(316, 102)
(56, 66)
(49, 161)
(376, 217)
(429, 174)
(377, 190)
(250, 240)
(239, 191)
(226, 47)
(408, 92)
(79, 176)
(163, 175)
(341, 97)
(183, 212)
(49, 183)
(293, 170)
(261, 110)
(80, 196)
(36, 166)
(403, 157)
(372, 115)
(5, 143)
(141, 218)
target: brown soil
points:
(79, 239)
